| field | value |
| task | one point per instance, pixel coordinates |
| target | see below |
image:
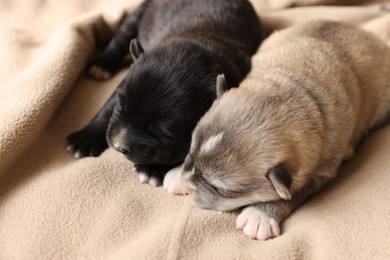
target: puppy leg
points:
(152, 173)
(111, 58)
(174, 182)
(91, 140)
(261, 220)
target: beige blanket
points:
(55, 207)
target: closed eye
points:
(152, 136)
(151, 133)
(163, 138)
(225, 192)
(217, 190)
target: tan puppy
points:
(314, 91)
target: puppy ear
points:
(188, 164)
(221, 85)
(136, 49)
(281, 180)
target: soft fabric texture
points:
(55, 207)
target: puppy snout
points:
(117, 140)
(120, 148)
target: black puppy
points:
(170, 85)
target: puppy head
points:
(242, 152)
(165, 93)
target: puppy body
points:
(182, 46)
(314, 91)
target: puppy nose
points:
(119, 148)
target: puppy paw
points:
(151, 173)
(87, 142)
(174, 182)
(99, 73)
(143, 176)
(256, 225)
(105, 65)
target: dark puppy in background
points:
(182, 46)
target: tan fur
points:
(314, 91)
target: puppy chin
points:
(170, 156)
(218, 205)
(154, 159)
(228, 204)
(137, 161)
(201, 201)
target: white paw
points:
(153, 181)
(77, 155)
(143, 177)
(256, 225)
(98, 73)
(174, 182)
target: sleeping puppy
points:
(181, 46)
(314, 91)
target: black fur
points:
(171, 85)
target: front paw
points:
(99, 73)
(174, 182)
(104, 66)
(151, 173)
(87, 142)
(257, 225)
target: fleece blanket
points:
(55, 207)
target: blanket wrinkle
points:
(71, 47)
(55, 207)
(178, 231)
